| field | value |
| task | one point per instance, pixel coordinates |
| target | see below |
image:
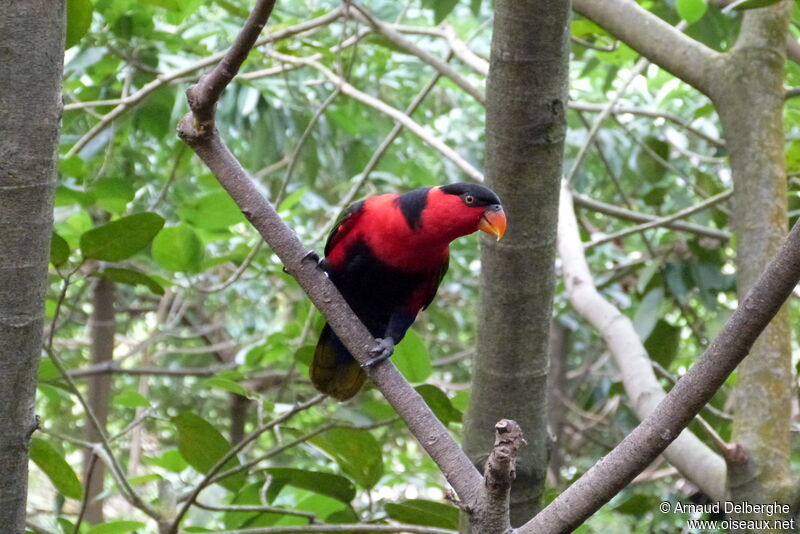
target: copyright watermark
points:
(774, 516)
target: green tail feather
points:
(333, 371)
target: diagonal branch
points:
(206, 142)
(659, 429)
(688, 454)
(661, 43)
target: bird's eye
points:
(469, 199)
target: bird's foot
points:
(313, 256)
(383, 350)
(310, 255)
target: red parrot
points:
(387, 255)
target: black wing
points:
(435, 281)
(343, 225)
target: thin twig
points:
(661, 221)
(220, 463)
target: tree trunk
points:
(525, 128)
(31, 62)
(102, 325)
(749, 100)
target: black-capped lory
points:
(387, 255)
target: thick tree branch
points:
(683, 402)
(661, 43)
(423, 424)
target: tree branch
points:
(422, 423)
(386, 109)
(661, 43)
(661, 221)
(659, 429)
(499, 474)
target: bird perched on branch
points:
(387, 255)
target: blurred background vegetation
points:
(184, 334)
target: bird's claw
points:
(383, 350)
(310, 255)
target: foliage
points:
(198, 298)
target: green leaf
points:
(650, 168)
(59, 250)
(475, 6)
(155, 114)
(411, 358)
(113, 194)
(439, 404)
(116, 527)
(122, 238)
(663, 342)
(171, 460)
(79, 18)
(53, 464)
(442, 8)
(178, 249)
(131, 278)
(691, 10)
(215, 211)
(335, 486)
(202, 446)
(226, 384)
(647, 312)
(131, 399)
(356, 451)
(424, 512)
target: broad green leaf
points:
(155, 114)
(122, 238)
(442, 8)
(131, 278)
(440, 404)
(202, 446)
(215, 211)
(411, 358)
(59, 250)
(424, 512)
(79, 18)
(648, 165)
(226, 384)
(53, 464)
(171, 460)
(116, 527)
(335, 486)
(691, 10)
(178, 249)
(131, 399)
(113, 194)
(475, 6)
(663, 342)
(356, 451)
(647, 312)
(637, 504)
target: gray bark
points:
(31, 62)
(102, 326)
(749, 99)
(525, 127)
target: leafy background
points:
(197, 296)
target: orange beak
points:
(493, 221)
